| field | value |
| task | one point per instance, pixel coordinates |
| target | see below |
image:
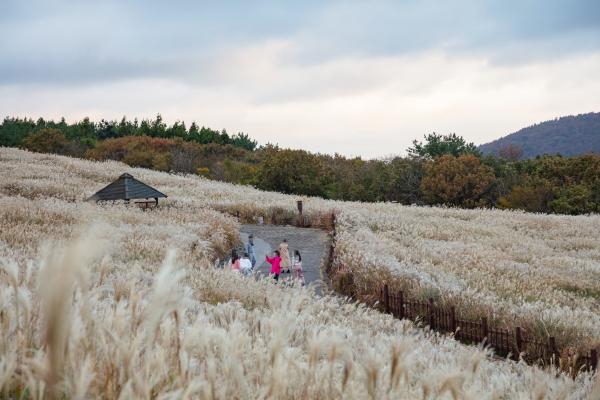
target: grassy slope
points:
(111, 301)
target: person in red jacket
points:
(275, 264)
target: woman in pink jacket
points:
(275, 265)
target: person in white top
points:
(297, 269)
(245, 264)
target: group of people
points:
(246, 263)
(281, 262)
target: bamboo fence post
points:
(553, 350)
(518, 341)
(452, 319)
(401, 305)
(386, 299)
(484, 329)
(431, 314)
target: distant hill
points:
(568, 136)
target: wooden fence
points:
(503, 341)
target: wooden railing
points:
(503, 341)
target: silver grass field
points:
(112, 302)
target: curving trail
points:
(312, 244)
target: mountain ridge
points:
(568, 135)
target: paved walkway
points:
(312, 244)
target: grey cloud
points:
(68, 42)
(491, 28)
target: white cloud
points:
(370, 106)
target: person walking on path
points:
(297, 271)
(285, 256)
(275, 264)
(250, 250)
(245, 264)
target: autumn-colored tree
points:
(568, 170)
(222, 162)
(137, 151)
(293, 171)
(185, 156)
(533, 196)
(48, 140)
(457, 181)
(240, 172)
(348, 178)
(119, 148)
(510, 152)
(574, 200)
(406, 176)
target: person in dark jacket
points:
(250, 250)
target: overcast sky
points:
(359, 78)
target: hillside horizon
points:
(569, 135)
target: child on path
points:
(285, 256)
(297, 269)
(275, 265)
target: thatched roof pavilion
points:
(128, 188)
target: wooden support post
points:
(518, 342)
(386, 299)
(300, 216)
(594, 359)
(430, 310)
(484, 330)
(553, 350)
(401, 305)
(452, 319)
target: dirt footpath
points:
(313, 245)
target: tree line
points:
(84, 135)
(441, 170)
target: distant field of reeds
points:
(113, 302)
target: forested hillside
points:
(567, 136)
(442, 170)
